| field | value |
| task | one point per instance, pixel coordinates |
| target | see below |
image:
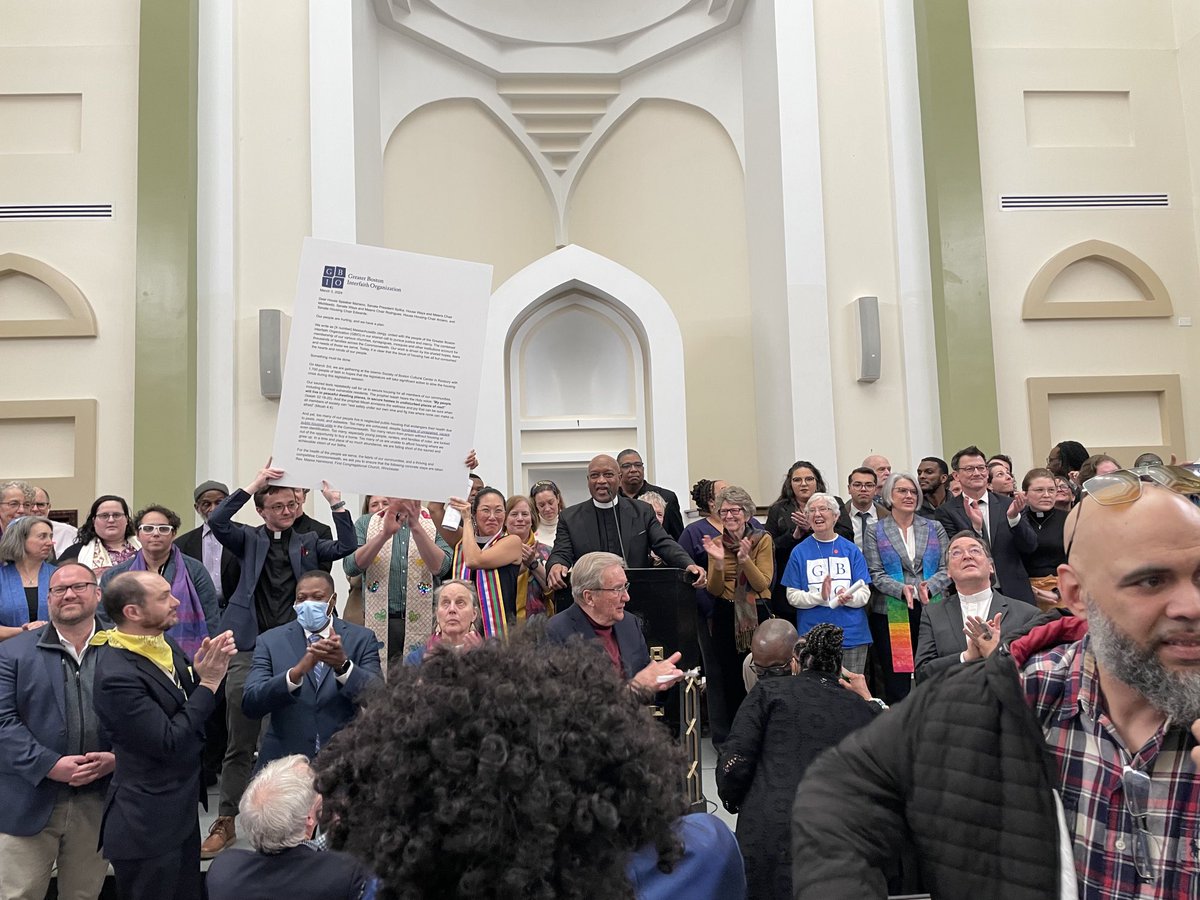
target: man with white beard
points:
(1060, 765)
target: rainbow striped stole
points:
(487, 585)
(899, 631)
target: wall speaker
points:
(868, 338)
(274, 327)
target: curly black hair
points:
(702, 495)
(822, 650)
(519, 770)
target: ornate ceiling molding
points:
(559, 36)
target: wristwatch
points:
(343, 668)
(337, 507)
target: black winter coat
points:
(779, 729)
(960, 772)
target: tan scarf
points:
(526, 579)
(745, 608)
(418, 591)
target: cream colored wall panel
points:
(1072, 23)
(1109, 420)
(52, 443)
(1078, 119)
(90, 51)
(38, 448)
(457, 184)
(663, 196)
(1084, 405)
(1020, 242)
(68, 22)
(563, 443)
(40, 123)
(271, 197)
(860, 241)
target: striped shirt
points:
(1062, 686)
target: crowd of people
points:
(476, 716)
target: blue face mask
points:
(313, 614)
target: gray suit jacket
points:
(941, 638)
(884, 585)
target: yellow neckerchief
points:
(153, 647)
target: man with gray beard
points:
(1057, 767)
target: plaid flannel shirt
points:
(1063, 688)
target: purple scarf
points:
(192, 628)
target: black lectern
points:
(664, 601)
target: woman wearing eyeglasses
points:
(198, 613)
(783, 725)
(906, 556)
(788, 525)
(741, 563)
(490, 558)
(106, 538)
(25, 548)
(1041, 495)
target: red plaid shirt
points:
(1063, 688)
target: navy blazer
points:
(157, 732)
(299, 717)
(1007, 543)
(941, 637)
(250, 544)
(297, 873)
(33, 731)
(628, 631)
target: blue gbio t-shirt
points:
(843, 562)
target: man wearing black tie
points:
(862, 512)
(995, 519)
(613, 524)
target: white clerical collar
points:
(984, 596)
(604, 505)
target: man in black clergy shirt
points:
(614, 524)
(634, 484)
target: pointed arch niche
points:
(57, 290)
(1153, 300)
(592, 362)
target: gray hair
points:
(829, 500)
(655, 499)
(12, 545)
(738, 497)
(276, 803)
(437, 591)
(24, 486)
(587, 573)
(890, 484)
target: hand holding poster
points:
(382, 377)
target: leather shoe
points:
(221, 835)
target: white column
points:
(912, 233)
(785, 229)
(216, 357)
(331, 119)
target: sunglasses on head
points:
(1125, 486)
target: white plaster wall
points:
(860, 240)
(88, 49)
(271, 191)
(1087, 46)
(663, 196)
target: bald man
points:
(614, 524)
(772, 652)
(882, 469)
(1086, 713)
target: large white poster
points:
(382, 376)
